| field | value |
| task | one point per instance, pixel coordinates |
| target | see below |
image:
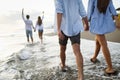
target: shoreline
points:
(41, 62)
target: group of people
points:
(29, 26)
(99, 20)
(72, 19)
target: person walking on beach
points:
(100, 14)
(28, 26)
(39, 27)
(69, 25)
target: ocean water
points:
(12, 30)
(11, 40)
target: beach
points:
(41, 61)
(20, 60)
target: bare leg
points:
(79, 60)
(40, 36)
(97, 50)
(27, 39)
(105, 50)
(32, 39)
(62, 55)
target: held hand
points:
(85, 24)
(86, 27)
(60, 35)
(115, 17)
(34, 29)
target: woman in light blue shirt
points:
(69, 25)
(100, 14)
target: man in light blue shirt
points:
(70, 14)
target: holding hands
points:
(85, 24)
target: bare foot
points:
(107, 70)
(63, 67)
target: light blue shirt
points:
(101, 23)
(72, 11)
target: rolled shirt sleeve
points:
(82, 11)
(112, 8)
(90, 9)
(59, 6)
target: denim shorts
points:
(28, 33)
(73, 39)
(40, 30)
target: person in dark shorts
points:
(70, 14)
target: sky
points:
(10, 10)
(12, 5)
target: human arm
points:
(113, 10)
(33, 26)
(23, 14)
(85, 23)
(59, 20)
(90, 9)
(42, 15)
(59, 13)
(83, 14)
